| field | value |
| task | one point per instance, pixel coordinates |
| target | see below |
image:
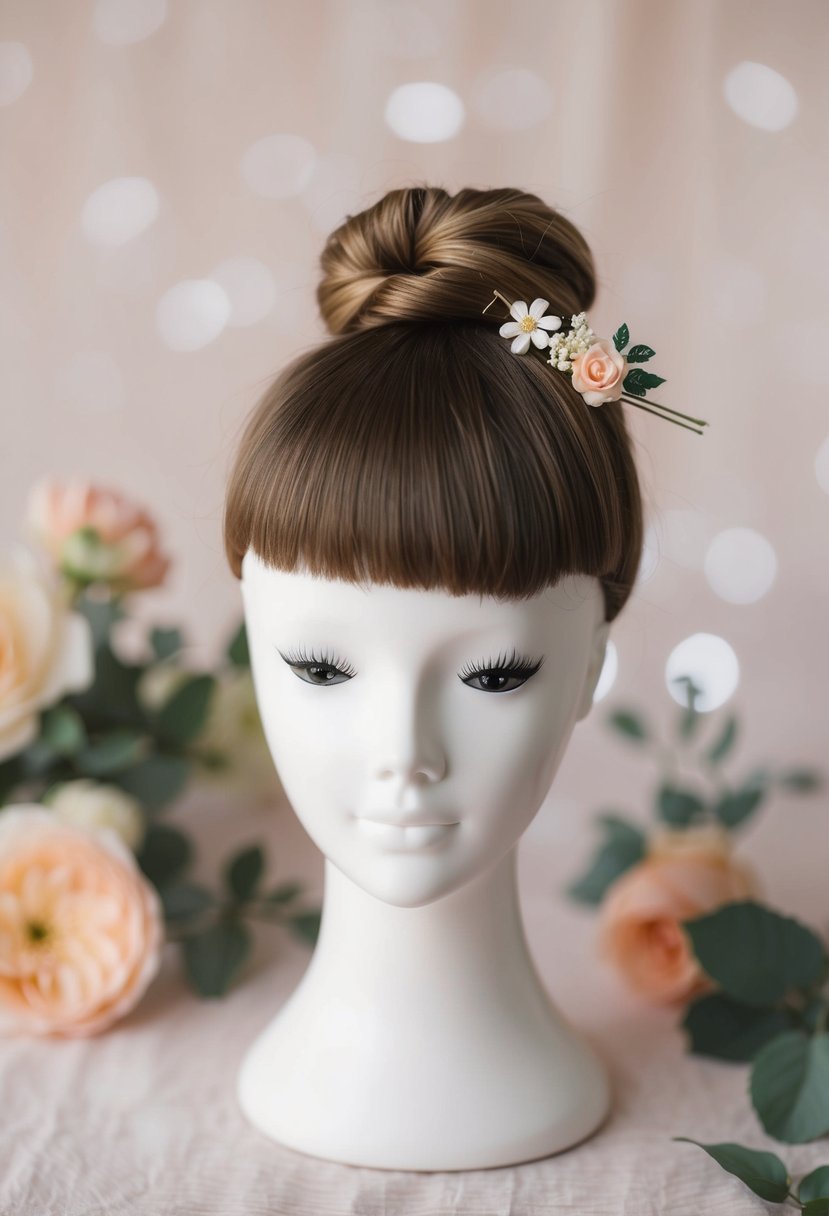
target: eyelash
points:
(512, 666)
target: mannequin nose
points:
(421, 772)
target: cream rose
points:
(598, 372)
(46, 651)
(94, 804)
(81, 929)
(95, 534)
(685, 874)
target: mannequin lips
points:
(411, 836)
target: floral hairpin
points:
(598, 367)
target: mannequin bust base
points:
(422, 1039)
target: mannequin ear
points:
(594, 669)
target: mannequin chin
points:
(410, 780)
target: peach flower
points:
(96, 535)
(598, 372)
(81, 929)
(686, 873)
(45, 650)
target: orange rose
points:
(599, 372)
(685, 874)
(96, 535)
(81, 929)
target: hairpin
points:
(599, 369)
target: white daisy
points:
(529, 326)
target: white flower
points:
(529, 326)
(91, 804)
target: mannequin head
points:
(411, 503)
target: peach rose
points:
(685, 874)
(45, 650)
(81, 929)
(599, 372)
(96, 535)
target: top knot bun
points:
(423, 254)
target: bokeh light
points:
(119, 210)
(760, 96)
(711, 664)
(192, 314)
(279, 166)
(424, 112)
(249, 287)
(740, 565)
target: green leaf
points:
(763, 1173)
(238, 651)
(155, 781)
(628, 723)
(726, 1030)
(621, 337)
(62, 728)
(306, 926)
(11, 775)
(755, 954)
(182, 717)
(638, 381)
(790, 1087)
(724, 743)
(734, 806)
(678, 806)
(214, 956)
(36, 759)
(164, 854)
(101, 615)
(112, 695)
(640, 354)
(623, 848)
(801, 780)
(284, 893)
(165, 642)
(186, 899)
(815, 1185)
(244, 872)
(111, 753)
(816, 1207)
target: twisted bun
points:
(423, 254)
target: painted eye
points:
(503, 675)
(322, 672)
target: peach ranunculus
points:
(685, 873)
(95, 534)
(45, 650)
(81, 929)
(598, 372)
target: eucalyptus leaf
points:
(623, 848)
(801, 780)
(165, 642)
(238, 651)
(724, 742)
(790, 1087)
(244, 872)
(183, 900)
(816, 1207)
(756, 955)
(36, 759)
(638, 381)
(164, 853)
(629, 723)
(735, 806)
(815, 1185)
(306, 926)
(11, 775)
(677, 806)
(763, 1173)
(621, 337)
(183, 716)
(111, 753)
(640, 354)
(725, 1029)
(214, 956)
(62, 728)
(112, 697)
(284, 893)
(156, 780)
(101, 615)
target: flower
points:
(685, 874)
(45, 650)
(96, 535)
(92, 804)
(529, 326)
(598, 372)
(564, 347)
(81, 929)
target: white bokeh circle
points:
(119, 210)
(15, 71)
(740, 565)
(192, 314)
(607, 676)
(760, 96)
(513, 99)
(822, 465)
(711, 664)
(250, 288)
(279, 166)
(122, 22)
(424, 112)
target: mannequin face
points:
(414, 732)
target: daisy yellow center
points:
(527, 324)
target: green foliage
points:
(790, 1086)
(164, 854)
(677, 806)
(629, 724)
(801, 780)
(306, 926)
(183, 716)
(639, 354)
(724, 742)
(111, 753)
(621, 337)
(183, 901)
(165, 642)
(62, 729)
(244, 872)
(237, 651)
(623, 847)
(815, 1185)
(214, 956)
(763, 1173)
(726, 1029)
(155, 781)
(638, 381)
(734, 806)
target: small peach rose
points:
(686, 873)
(81, 929)
(599, 372)
(96, 535)
(45, 650)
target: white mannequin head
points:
(389, 723)
(411, 501)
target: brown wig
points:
(413, 447)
